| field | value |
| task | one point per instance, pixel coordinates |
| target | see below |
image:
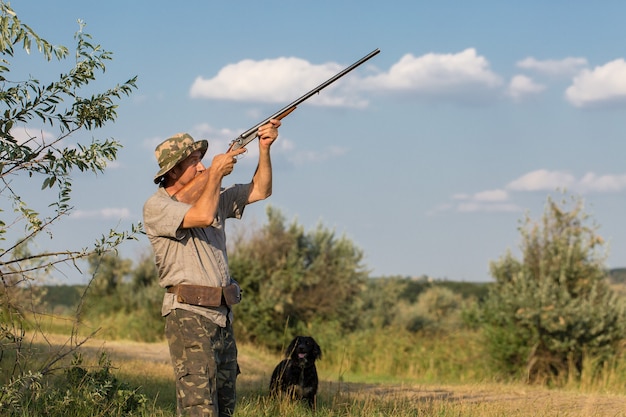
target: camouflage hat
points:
(174, 150)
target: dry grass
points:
(147, 365)
(490, 400)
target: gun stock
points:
(192, 190)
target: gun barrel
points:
(249, 135)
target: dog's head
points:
(304, 351)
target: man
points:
(189, 243)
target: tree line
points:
(541, 317)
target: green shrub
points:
(553, 308)
(291, 278)
(78, 391)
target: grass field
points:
(147, 366)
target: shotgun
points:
(192, 190)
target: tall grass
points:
(402, 356)
(387, 373)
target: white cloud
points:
(603, 85)
(602, 183)
(464, 76)
(522, 86)
(475, 206)
(40, 139)
(492, 201)
(541, 180)
(280, 80)
(461, 196)
(219, 139)
(502, 200)
(104, 213)
(491, 195)
(306, 157)
(563, 67)
(435, 74)
(33, 136)
(544, 180)
(152, 142)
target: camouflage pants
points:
(204, 356)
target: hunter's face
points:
(190, 167)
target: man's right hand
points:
(224, 163)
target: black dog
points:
(296, 375)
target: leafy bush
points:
(291, 278)
(78, 391)
(436, 309)
(547, 312)
(125, 302)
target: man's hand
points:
(224, 163)
(268, 133)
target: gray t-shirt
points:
(195, 256)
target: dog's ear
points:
(316, 350)
(292, 346)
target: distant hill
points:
(618, 275)
(62, 299)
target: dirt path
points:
(512, 400)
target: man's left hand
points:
(268, 132)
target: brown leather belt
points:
(201, 295)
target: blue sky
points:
(426, 157)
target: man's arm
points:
(202, 212)
(262, 180)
